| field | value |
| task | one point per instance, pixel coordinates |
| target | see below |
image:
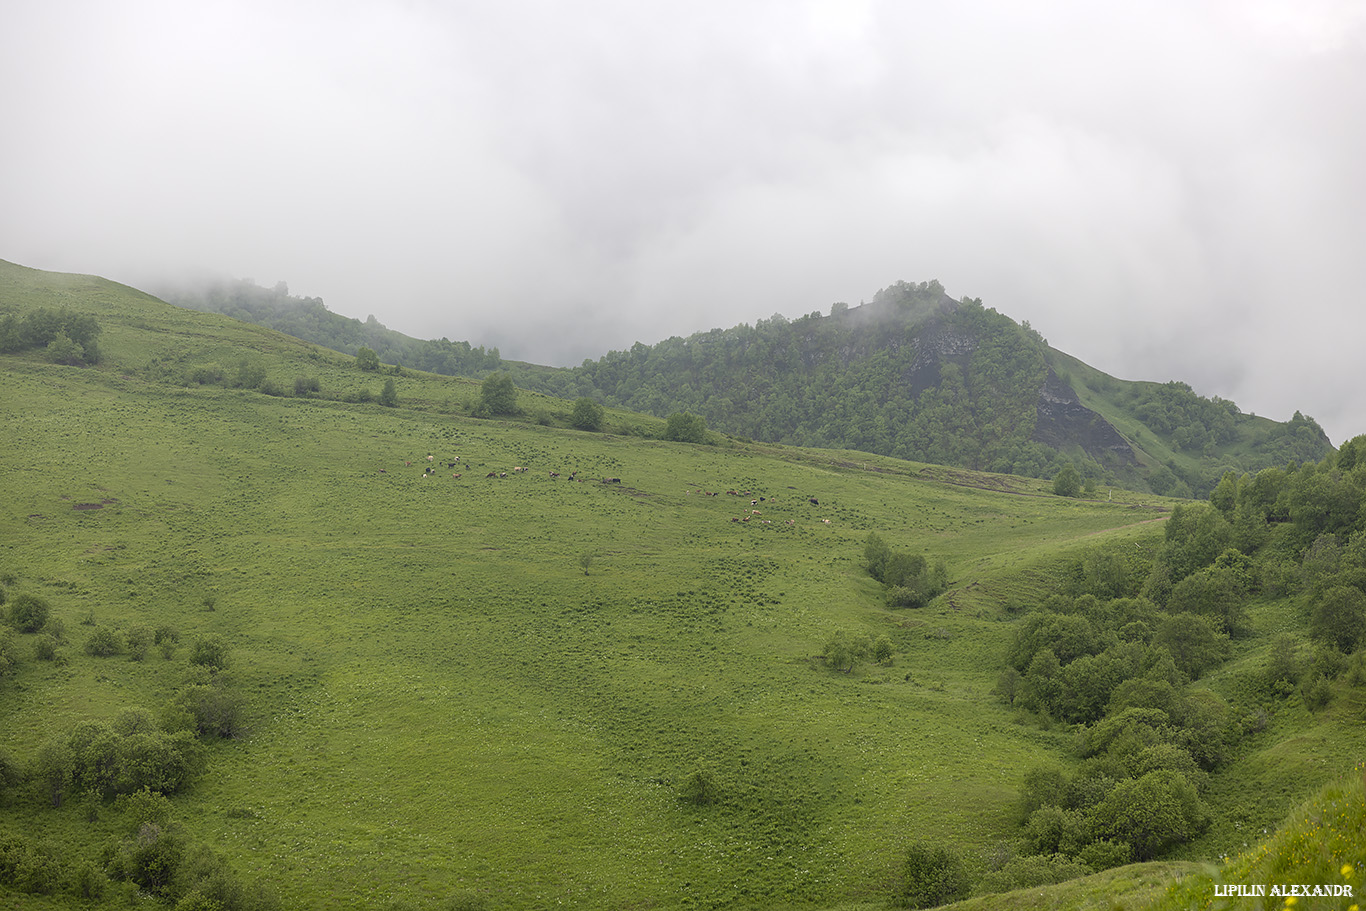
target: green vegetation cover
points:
(913, 374)
(269, 641)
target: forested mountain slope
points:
(913, 374)
(917, 375)
(309, 319)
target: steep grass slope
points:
(501, 691)
(1319, 849)
(495, 688)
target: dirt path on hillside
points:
(1001, 484)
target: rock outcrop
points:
(1063, 422)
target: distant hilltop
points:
(918, 375)
(913, 374)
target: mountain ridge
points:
(913, 374)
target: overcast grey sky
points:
(1170, 189)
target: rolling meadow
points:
(477, 672)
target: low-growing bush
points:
(166, 639)
(211, 709)
(138, 640)
(45, 648)
(29, 867)
(1103, 854)
(27, 613)
(1034, 870)
(699, 788)
(104, 643)
(932, 874)
(1316, 692)
(210, 652)
(9, 655)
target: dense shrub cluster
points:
(843, 652)
(67, 337)
(1119, 668)
(1192, 421)
(129, 754)
(27, 613)
(1114, 652)
(155, 858)
(932, 875)
(162, 861)
(910, 580)
(133, 760)
(32, 867)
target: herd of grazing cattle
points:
(430, 470)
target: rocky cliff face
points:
(1063, 421)
(935, 346)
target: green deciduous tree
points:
(306, 385)
(1339, 618)
(684, 427)
(210, 652)
(1067, 482)
(1218, 593)
(212, 709)
(167, 638)
(1195, 642)
(876, 553)
(126, 755)
(883, 650)
(843, 652)
(63, 350)
(498, 395)
(40, 327)
(911, 581)
(367, 360)
(388, 396)
(1151, 813)
(1054, 829)
(138, 639)
(587, 415)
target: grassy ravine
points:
(490, 689)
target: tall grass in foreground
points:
(1323, 843)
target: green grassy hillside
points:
(504, 692)
(912, 374)
(1205, 442)
(1320, 845)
